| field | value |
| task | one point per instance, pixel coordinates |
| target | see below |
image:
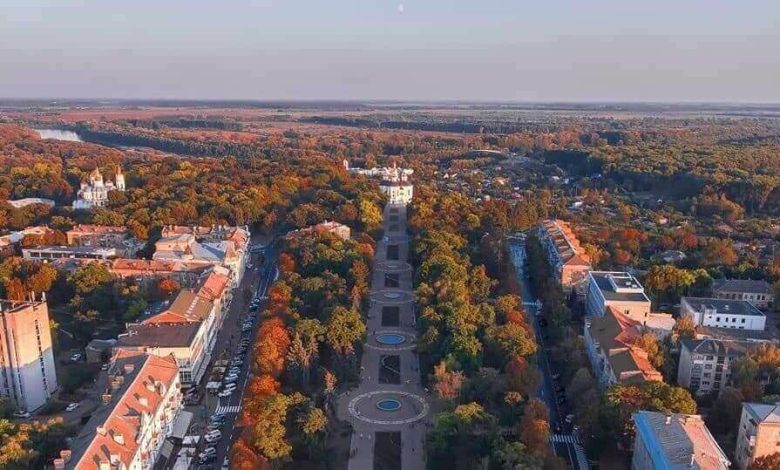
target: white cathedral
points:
(95, 193)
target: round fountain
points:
(388, 404)
(391, 339)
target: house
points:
(675, 442)
(566, 256)
(340, 230)
(759, 428)
(720, 313)
(609, 341)
(705, 364)
(758, 293)
(141, 402)
(616, 289)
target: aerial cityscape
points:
(386, 236)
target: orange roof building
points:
(142, 398)
(614, 357)
(564, 253)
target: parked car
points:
(213, 436)
(230, 378)
(208, 451)
(76, 357)
(72, 407)
(22, 414)
(207, 458)
(225, 393)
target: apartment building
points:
(26, 354)
(609, 341)
(105, 236)
(759, 433)
(705, 364)
(568, 259)
(722, 313)
(620, 290)
(141, 402)
(207, 246)
(187, 330)
(144, 271)
(758, 293)
(675, 441)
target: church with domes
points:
(95, 193)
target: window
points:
(708, 366)
(709, 358)
(743, 320)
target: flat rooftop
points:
(723, 306)
(619, 286)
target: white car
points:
(230, 378)
(213, 436)
(72, 407)
(225, 393)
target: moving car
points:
(72, 407)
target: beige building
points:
(758, 293)
(207, 246)
(141, 401)
(104, 236)
(566, 256)
(28, 374)
(609, 341)
(705, 364)
(620, 290)
(340, 230)
(187, 329)
(759, 433)
(675, 441)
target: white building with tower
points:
(95, 193)
(395, 181)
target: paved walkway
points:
(390, 340)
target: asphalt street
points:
(564, 442)
(258, 281)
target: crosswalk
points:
(564, 439)
(228, 409)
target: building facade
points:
(104, 236)
(95, 193)
(28, 374)
(675, 441)
(49, 252)
(758, 293)
(609, 341)
(721, 313)
(620, 290)
(705, 364)
(212, 246)
(759, 433)
(187, 330)
(568, 259)
(142, 399)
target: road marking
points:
(228, 409)
(564, 439)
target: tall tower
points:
(120, 179)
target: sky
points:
(479, 50)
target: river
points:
(59, 134)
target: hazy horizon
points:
(565, 51)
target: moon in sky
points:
(400, 8)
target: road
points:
(565, 443)
(227, 342)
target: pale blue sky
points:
(540, 50)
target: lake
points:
(58, 134)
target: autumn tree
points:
(447, 384)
